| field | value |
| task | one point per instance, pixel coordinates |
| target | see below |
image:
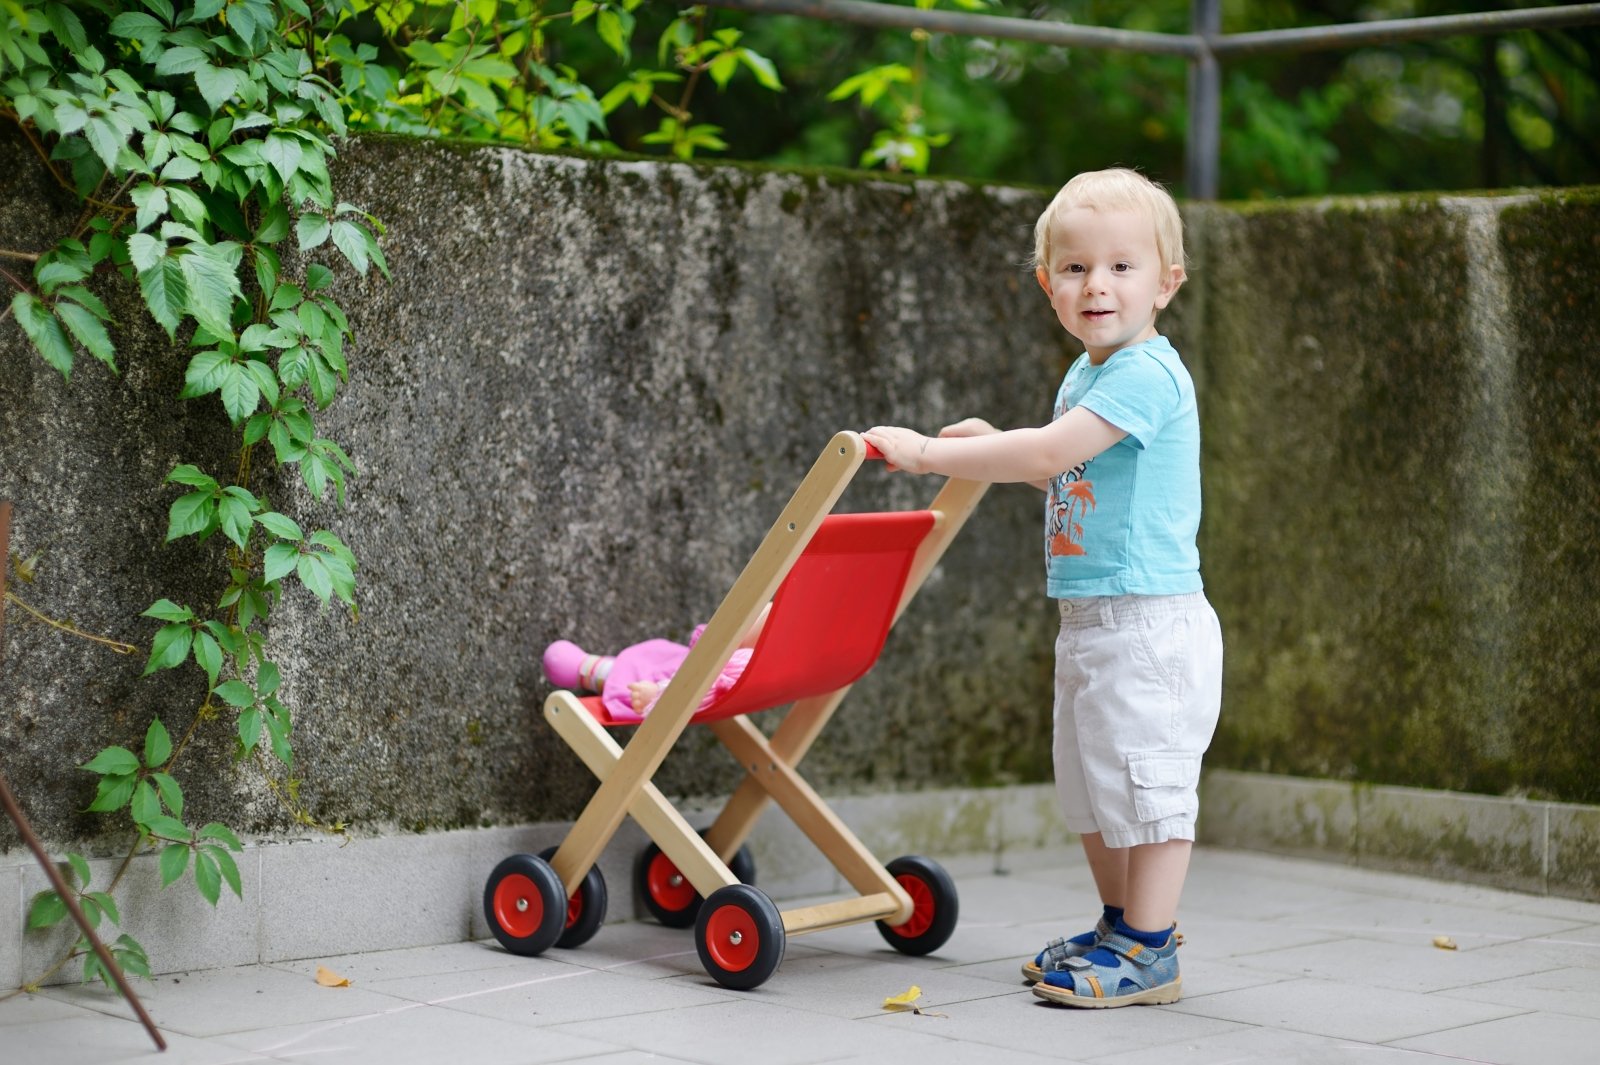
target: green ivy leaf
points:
(311, 230)
(169, 648)
(145, 806)
(44, 330)
(157, 745)
(283, 152)
(227, 866)
(274, 227)
(113, 793)
(191, 514)
(351, 240)
(167, 610)
(208, 655)
(169, 828)
(165, 291)
(188, 473)
(236, 693)
(108, 904)
(249, 730)
(113, 760)
(46, 910)
(279, 561)
(280, 526)
(212, 286)
(171, 793)
(206, 876)
(268, 679)
(80, 869)
(216, 84)
(174, 860)
(88, 331)
(184, 59)
(313, 572)
(151, 200)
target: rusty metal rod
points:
(1188, 45)
(1387, 31)
(1039, 31)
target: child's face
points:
(1106, 280)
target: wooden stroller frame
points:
(770, 764)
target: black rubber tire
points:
(586, 910)
(739, 937)
(523, 905)
(937, 906)
(653, 869)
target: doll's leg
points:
(566, 665)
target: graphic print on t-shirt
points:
(1071, 500)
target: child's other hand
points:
(902, 448)
(969, 427)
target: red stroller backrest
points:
(832, 613)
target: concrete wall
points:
(1402, 433)
(591, 385)
(587, 392)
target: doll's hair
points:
(1117, 189)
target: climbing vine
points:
(197, 139)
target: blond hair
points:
(1117, 189)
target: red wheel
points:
(522, 905)
(934, 907)
(669, 896)
(586, 907)
(739, 937)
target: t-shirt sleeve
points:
(1137, 394)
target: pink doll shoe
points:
(562, 661)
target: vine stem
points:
(25, 256)
(72, 630)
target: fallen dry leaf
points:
(328, 978)
(1444, 942)
(907, 1000)
(904, 1001)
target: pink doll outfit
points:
(655, 662)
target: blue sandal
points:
(1142, 976)
(1057, 952)
(1053, 958)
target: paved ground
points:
(1285, 961)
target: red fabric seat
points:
(829, 617)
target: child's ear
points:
(1176, 276)
(1043, 277)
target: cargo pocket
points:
(1164, 784)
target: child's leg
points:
(1110, 868)
(1155, 876)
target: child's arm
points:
(979, 427)
(1034, 454)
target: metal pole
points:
(1039, 31)
(1385, 31)
(1204, 150)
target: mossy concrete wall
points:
(591, 385)
(1402, 470)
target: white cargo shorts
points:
(1138, 690)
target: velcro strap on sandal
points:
(1131, 949)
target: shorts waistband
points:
(1111, 610)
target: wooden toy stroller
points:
(836, 584)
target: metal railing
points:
(1205, 47)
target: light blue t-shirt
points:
(1124, 523)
